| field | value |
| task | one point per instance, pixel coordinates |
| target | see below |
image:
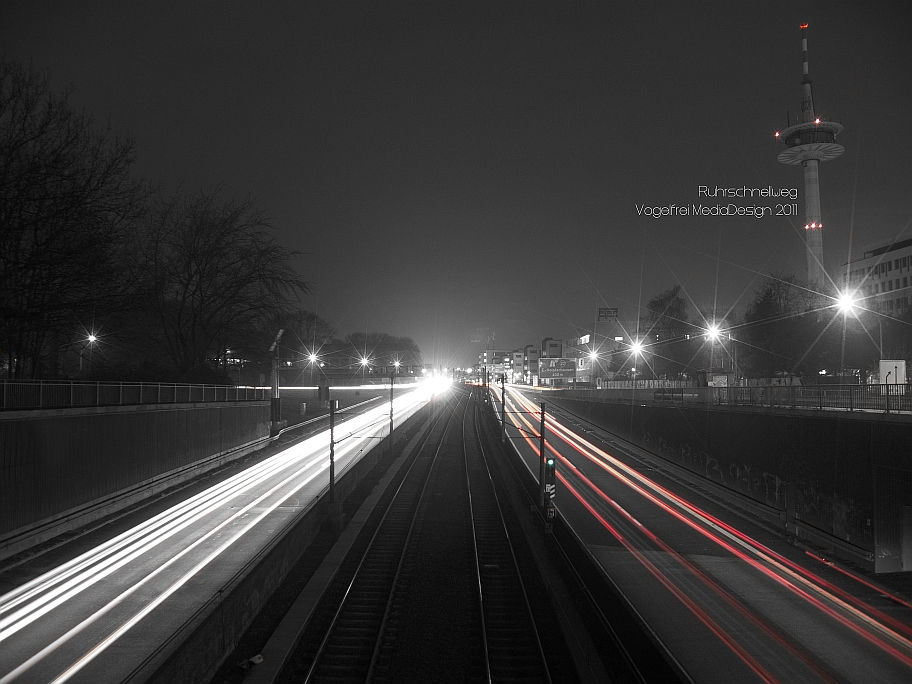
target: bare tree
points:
(667, 322)
(783, 328)
(66, 203)
(214, 273)
(305, 331)
(383, 348)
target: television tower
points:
(809, 142)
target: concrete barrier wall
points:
(55, 462)
(850, 474)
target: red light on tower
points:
(777, 134)
(810, 142)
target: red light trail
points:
(841, 607)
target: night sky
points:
(455, 166)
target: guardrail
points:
(45, 394)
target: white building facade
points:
(882, 278)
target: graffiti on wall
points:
(843, 519)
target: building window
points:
(905, 281)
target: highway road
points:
(105, 614)
(728, 599)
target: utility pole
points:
(541, 459)
(335, 507)
(392, 384)
(332, 451)
(503, 414)
(276, 403)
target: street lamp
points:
(713, 334)
(846, 303)
(312, 359)
(636, 347)
(91, 339)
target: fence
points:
(42, 394)
(884, 398)
(887, 398)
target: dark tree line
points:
(213, 279)
(165, 285)
(67, 207)
(786, 330)
(790, 329)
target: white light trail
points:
(298, 466)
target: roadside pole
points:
(335, 507)
(541, 459)
(503, 414)
(392, 384)
(276, 402)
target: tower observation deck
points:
(809, 142)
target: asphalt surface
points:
(729, 599)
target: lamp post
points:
(637, 348)
(335, 507)
(276, 400)
(846, 304)
(880, 330)
(713, 335)
(392, 384)
(91, 339)
(541, 459)
(312, 358)
(503, 410)
(332, 449)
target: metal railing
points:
(45, 394)
(882, 398)
(886, 398)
